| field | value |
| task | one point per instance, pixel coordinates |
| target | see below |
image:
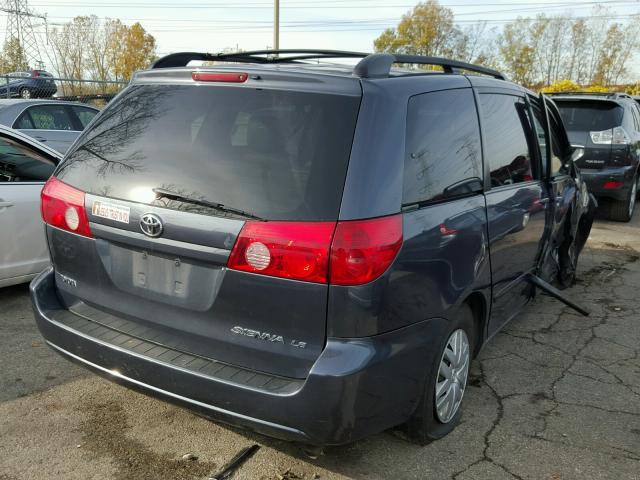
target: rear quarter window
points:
(443, 157)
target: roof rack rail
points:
(181, 59)
(379, 65)
(374, 65)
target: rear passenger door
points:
(50, 124)
(516, 196)
(445, 255)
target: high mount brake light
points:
(62, 206)
(229, 77)
(342, 253)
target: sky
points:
(215, 25)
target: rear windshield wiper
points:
(163, 193)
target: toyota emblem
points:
(151, 225)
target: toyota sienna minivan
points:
(310, 250)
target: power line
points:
(323, 5)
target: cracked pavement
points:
(553, 396)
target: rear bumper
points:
(356, 387)
(595, 180)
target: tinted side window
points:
(50, 117)
(85, 115)
(505, 121)
(24, 121)
(442, 156)
(538, 123)
(21, 164)
(557, 167)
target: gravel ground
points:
(554, 396)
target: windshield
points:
(280, 155)
(582, 116)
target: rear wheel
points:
(622, 210)
(439, 409)
(25, 93)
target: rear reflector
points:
(62, 206)
(342, 253)
(232, 77)
(612, 185)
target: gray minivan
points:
(312, 251)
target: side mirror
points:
(578, 152)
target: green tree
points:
(518, 56)
(13, 57)
(428, 29)
(134, 49)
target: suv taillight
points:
(615, 136)
(342, 253)
(62, 206)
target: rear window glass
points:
(279, 155)
(584, 116)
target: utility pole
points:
(276, 24)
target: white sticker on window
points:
(117, 213)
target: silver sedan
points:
(54, 122)
(25, 165)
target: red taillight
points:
(360, 251)
(232, 77)
(612, 185)
(62, 206)
(295, 250)
(363, 249)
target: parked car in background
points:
(30, 84)
(25, 165)
(242, 240)
(608, 125)
(54, 122)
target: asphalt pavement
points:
(553, 396)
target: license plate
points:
(111, 211)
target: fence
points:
(38, 85)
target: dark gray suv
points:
(313, 251)
(608, 126)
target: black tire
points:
(622, 210)
(25, 93)
(424, 426)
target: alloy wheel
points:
(632, 200)
(452, 376)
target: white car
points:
(25, 164)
